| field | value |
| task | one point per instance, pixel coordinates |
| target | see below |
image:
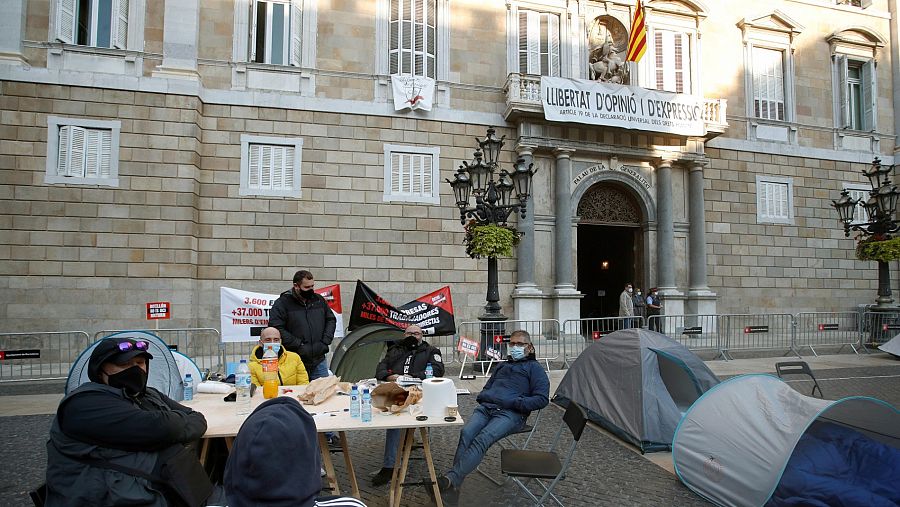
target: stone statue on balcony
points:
(606, 65)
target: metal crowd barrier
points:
(879, 327)
(492, 337)
(447, 345)
(202, 344)
(818, 329)
(696, 332)
(39, 355)
(579, 333)
(757, 332)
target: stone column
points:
(181, 30)
(700, 299)
(895, 68)
(527, 297)
(673, 300)
(567, 298)
(12, 31)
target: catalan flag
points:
(637, 39)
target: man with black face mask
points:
(115, 418)
(410, 356)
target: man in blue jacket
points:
(517, 387)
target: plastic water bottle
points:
(269, 364)
(188, 387)
(429, 371)
(366, 406)
(354, 401)
(242, 383)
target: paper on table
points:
(214, 387)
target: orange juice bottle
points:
(269, 364)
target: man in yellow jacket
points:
(290, 368)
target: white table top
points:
(222, 419)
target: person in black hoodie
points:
(410, 357)
(306, 323)
(275, 460)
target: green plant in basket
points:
(489, 240)
(876, 248)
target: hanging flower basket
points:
(876, 249)
(489, 240)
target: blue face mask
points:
(517, 353)
(274, 346)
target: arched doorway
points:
(610, 247)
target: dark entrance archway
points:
(610, 247)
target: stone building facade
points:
(182, 105)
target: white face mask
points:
(630, 290)
(639, 293)
(275, 346)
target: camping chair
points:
(508, 443)
(798, 368)
(537, 465)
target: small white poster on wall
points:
(412, 92)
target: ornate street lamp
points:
(494, 190)
(880, 208)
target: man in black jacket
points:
(410, 356)
(306, 323)
(116, 419)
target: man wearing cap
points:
(409, 357)
(115, 420)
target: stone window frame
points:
(861, 46)
(295, 142)
(434, 151)
(776, 180)
(775, 31)
(683, 17)
(63, 54)
(383, 90)
(241, 51)
(54, 124)
(512, 34)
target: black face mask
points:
(305, 294)
(410, 342)
(133, 380)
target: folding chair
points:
(508, 443)
(798, 368)
(537, 465)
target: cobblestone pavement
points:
(604, 471)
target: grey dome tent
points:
(163, 374)
(358, 353)
(892, 347)
(636, 383)
(753, 440)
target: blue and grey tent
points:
(163, 374)
(636, 384)
(753, 440)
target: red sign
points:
(159, 310)
(596, 335)
(467, 346)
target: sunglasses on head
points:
(139, 345)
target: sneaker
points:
(383, 477)
(450, 497)
(444, 483)
(334, 444)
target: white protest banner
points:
(244, 314)
(615, 105)
(413, 92)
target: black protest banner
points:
(432, 312)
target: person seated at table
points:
(275, 460)
(291, 371)
(115, 420)
(410, 357)
(517, 387)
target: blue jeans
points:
(391, 443)
(484, 428)
(318, 371)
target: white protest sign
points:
(243, 311)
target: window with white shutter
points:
(276, 32)
(270, 166)
(413, 37)
(81, 151)
(538, 43)
(861, 194)
(672, 61)
(411, 173)
(768, 83)
(774, 200)
(96, 23)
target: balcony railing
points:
(523, 96)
